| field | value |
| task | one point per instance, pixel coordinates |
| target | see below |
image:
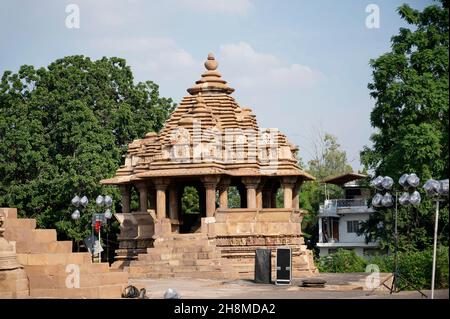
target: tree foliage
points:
(328, 160)
(411, 92)
(65, 127)
(415, 266)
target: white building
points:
(339, 218)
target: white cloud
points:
(250, 72)
(240, 7)
(246, 68)
(111, 13)
(158, 55)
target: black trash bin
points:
(263, 266)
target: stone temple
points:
(211, 144)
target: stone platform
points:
(182, 255)
(338, 286)
(47, 263)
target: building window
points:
(353, 226)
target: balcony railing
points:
(332, 207)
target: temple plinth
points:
(13, 279)
(211, 144)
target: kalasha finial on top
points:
(211, 63)
(211, 81)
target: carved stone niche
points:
(13, 279)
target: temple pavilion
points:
(211, 144)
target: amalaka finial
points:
(211, 64)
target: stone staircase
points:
(182, 255)
(46, 261)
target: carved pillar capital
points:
(141, 185)
(289, 181)
(161, 183)
(224, 183)
(251, 181)
(210, 181)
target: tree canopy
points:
(411, 92)
(328, 160)
(65, 127)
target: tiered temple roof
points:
(209, 134)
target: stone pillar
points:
(125, 191)
(161, 185)
(143, 196)
(223, 192)
(288, 185)
(259, 200)
(210, 183)
(259, 194)
(250, 184)
(173, 202)
(320, 230)
(296, 195)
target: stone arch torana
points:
(210, 142)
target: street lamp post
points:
(436, 190)
(97, 219)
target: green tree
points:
(411, 92)
(328, 160)
(190, 200)
(65, 127)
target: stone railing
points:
(246, 221)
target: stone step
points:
(9, 213)
(28, 223)
(23, 247)
(178, 249)
(192, 274)
(187, 243)
(57, 270)
(54, 259)
(182, 262)
(184, 237)
(30, 235)
(162, 258)
(153, 269)
(87, 280)
(106, 291)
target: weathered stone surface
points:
(13, 279)
(211, 143)
(46, 263)
(182, 255)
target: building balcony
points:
(336, 207)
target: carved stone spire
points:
(211, 80)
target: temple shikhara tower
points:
(214, 146)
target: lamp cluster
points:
(434, 188)
(101, 201)
(410, 196)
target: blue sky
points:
(302, 66)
